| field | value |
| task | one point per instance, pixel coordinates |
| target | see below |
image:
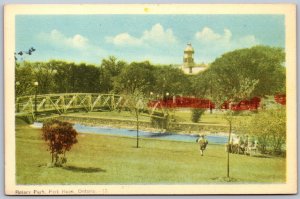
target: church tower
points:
(188, 58)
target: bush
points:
(269, 127)
(196, 114)
(60, 137)
(160, 121)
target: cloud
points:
(156, 35)
(226, 40)
(124, 39)
(208, 35)
(55, 37)
(76, 47)
(212, 44)
(76, 42)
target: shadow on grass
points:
(225, 179)
(159, 135)
(83, 169)
(261, 156)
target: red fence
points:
(281, 99)
(192, 102)
(243, 105)
(182, 102)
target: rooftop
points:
(189, 48)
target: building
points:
(189, 66)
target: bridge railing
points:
(69, 102)
(61, 103)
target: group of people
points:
(241, 145)
(237, 144)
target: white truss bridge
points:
(61, 103)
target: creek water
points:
(213, 139)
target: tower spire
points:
(188, 57)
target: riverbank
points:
(144, 125)
(212, 139)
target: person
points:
(203, 143)
(243, 144)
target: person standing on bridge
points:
(202, 143)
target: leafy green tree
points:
(44, 72)
(201, 84)
(109, 70)
(60, 137)
(171, 80)
(200, 88)
(136, 76)
(24, 79)
(65, 76)
(245, 73)
(18, 55)
(259, 69)
(86, 79)
(80, 78)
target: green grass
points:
(100, 159)
(206, 118)
(111, 115)
(180, 116)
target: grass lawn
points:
(99, 159)
(181, 115)
(111, 115)
(215, 118)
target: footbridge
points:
(61, 103)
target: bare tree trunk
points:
(137, 128)
(228, 144)
(52, 157)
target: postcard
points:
(155, 99)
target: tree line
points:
(111, 76)
(240, 74)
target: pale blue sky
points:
(158, 38)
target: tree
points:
(269, 127)
(136, 76)
(260, 67)
(22, 52)
(201, 84)
(109, 70)
(86, 78)
(246, 73)
(60, 137)
(136, 103)
(201, 88)
(171, 80)
(44, 73)
(65, 76)
(24, 79)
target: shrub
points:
(196, 114)
(269, 127)
(60, 137)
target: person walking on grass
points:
(203, 143)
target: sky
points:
(160, 39)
